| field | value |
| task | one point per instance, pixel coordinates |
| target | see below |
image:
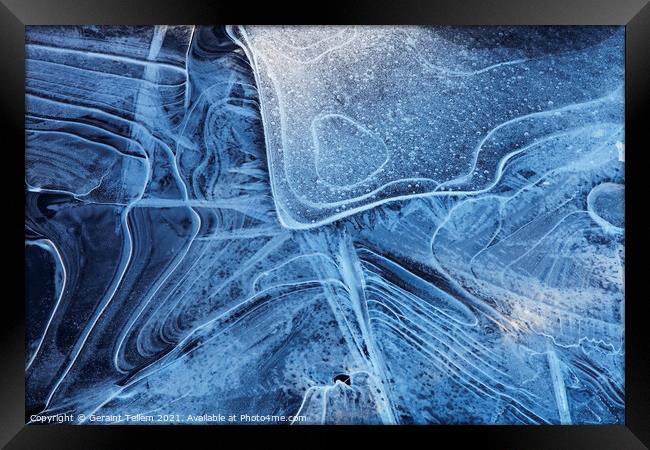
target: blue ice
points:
(327, 224)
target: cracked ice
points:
(347, 224)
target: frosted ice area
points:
(340, 224)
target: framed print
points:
(409, 221)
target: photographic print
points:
(274, 225)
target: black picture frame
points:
(634, 14)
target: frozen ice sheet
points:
(333, 224)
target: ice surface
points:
(443, 108)
(345, 224)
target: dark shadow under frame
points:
(634, 14)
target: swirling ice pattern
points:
(348, 224)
